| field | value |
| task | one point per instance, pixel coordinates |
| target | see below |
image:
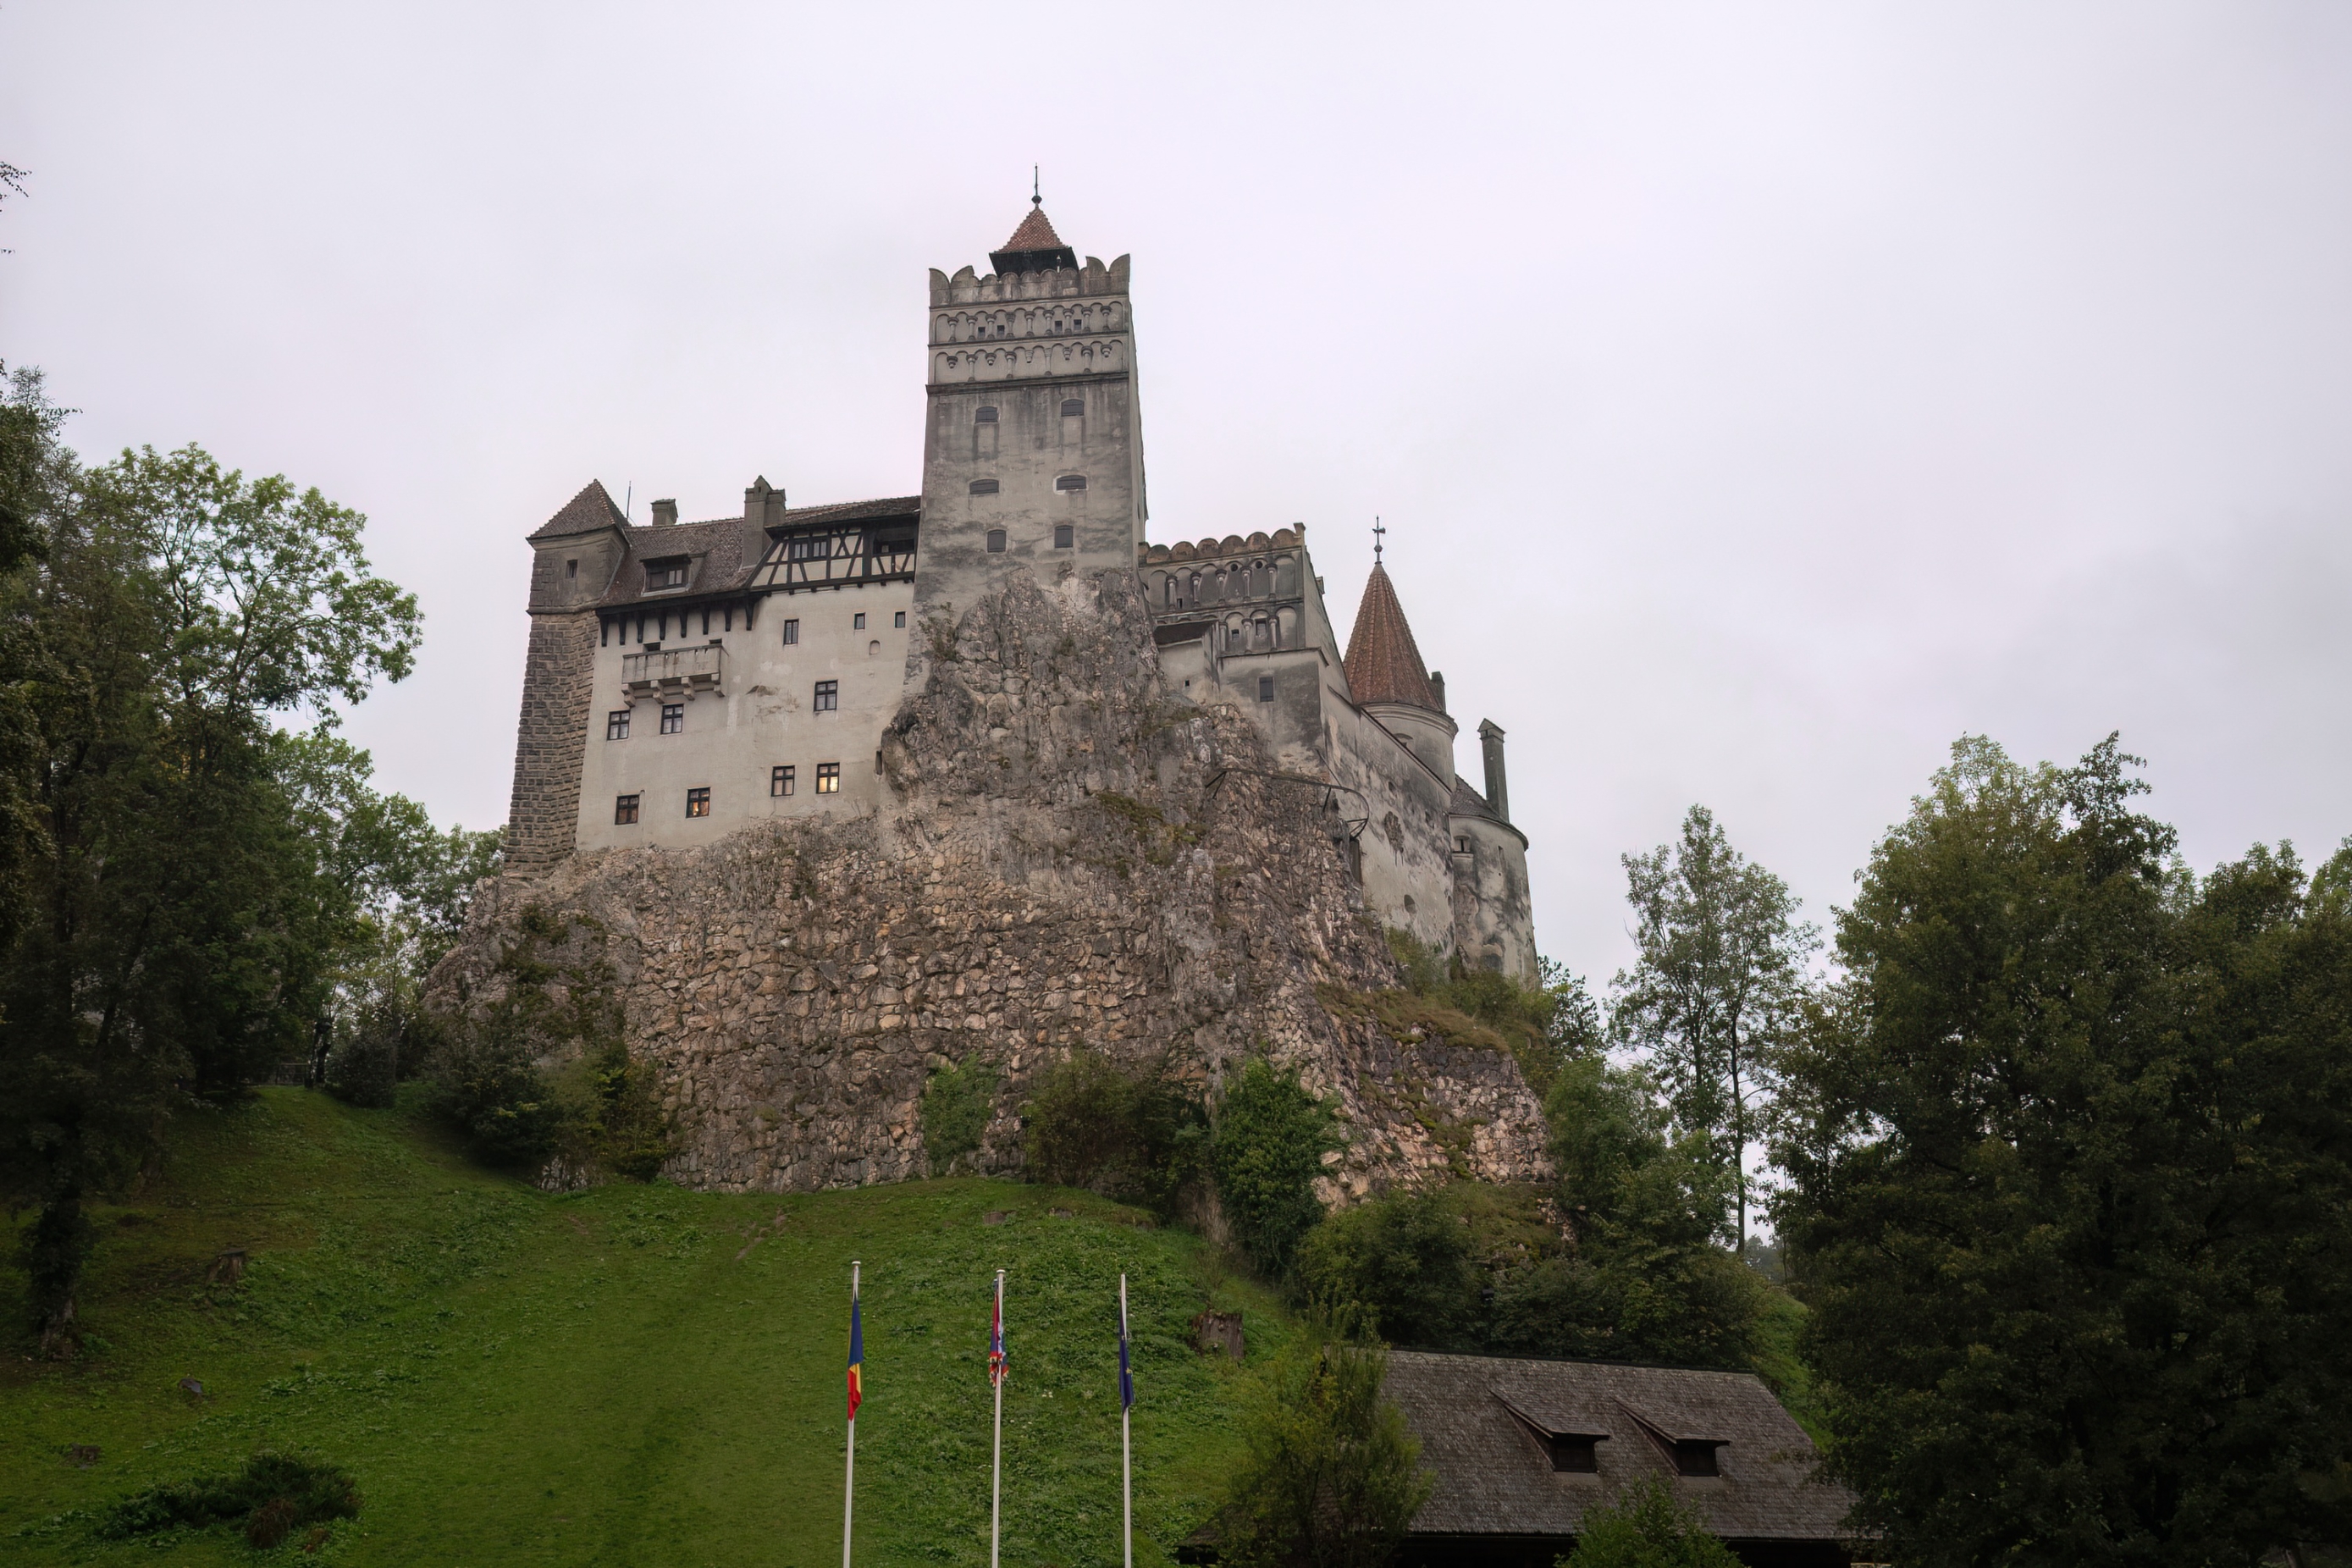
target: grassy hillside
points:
(632, 1376)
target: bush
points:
(1546, 1025)
(1128, 1134)
(363, 1064)
(1265, 1150)
(274, 1494)
(1330, 1476)
(1404, 1260)
(957, 1102)
(1647, 1528)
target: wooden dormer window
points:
(670, 573)
(1697, 1456)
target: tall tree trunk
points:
(53, 1256)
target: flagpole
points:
(849, 1472)
(1125, 1440)
(996, 1460)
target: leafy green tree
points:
(1720, 971)
(1645, 1527)
(1329, 1478)
(1266, 1147)
(1404, 1258)
(1131, 1134)
(2070, 1162)
(174, 922)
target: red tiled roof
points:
(1383, 663)
(586, 512)
(1035, 233)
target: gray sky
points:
(1758, 396)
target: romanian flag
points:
(1126, 1378)
(857, 1361)
(996, 1337)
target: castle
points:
(687, 681)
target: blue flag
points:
(1126, 1378)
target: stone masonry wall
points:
(544, 815)
(1064, 860)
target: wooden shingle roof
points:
(1383, 662)
(1478, 1418)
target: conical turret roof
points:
(1035, 247)
(1383, 663)
(1035, 233)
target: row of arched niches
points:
(1234, 574)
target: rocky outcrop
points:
(1070, 858)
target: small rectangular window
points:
(1064, 536)
(857, 622)
(828, 778)
(624, 810)
(899, 619)
(571, 569)
(616, 724)
(698, 803)
(1265, 688)
(666, 575)
(984, 416)
(792, 631)
(779, 779)
(1071, 482)
(984, 487)
(828, 698)
(996, 541)
(1576, 1454)
(672, 718)
(1071, 405)
(1696, 1457)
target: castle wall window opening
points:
(1071, 482)
(857, 622)
(827, 700)
(781, 778)
(898, 618)
(698, 803)
(616, 724)
(996, 541)
(1071, 405)
(984, 487)
(984, 415)
(828, 778)
(792, 631)
(672, 718)
(1265, 688)
(624, 810)
(665, 575)
(1064, 536)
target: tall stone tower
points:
(1032, 453)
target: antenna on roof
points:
(1036, 188)
(1377, 531)
(629, 499)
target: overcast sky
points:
(1759, 395)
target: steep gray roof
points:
(1494, 1478)
(586, 512)
(715, 547)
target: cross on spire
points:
(1377, 531)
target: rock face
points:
(1070, 858)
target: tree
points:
(1404, 1258)
(1329, 1478)
(2070, 1160)
(175, 919)
(1266, 1149)
(1130, 1132)
(1721, 968)
(1644, 1527)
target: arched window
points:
(984, 415)
(1073, 406)
(1071, 482)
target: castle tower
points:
(1032, 452)
(1387, 677)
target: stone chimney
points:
(1490, 747)
(1437, 684)
(666, 514)
(763, 507)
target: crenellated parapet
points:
(971, 287)
(1063, 321)
(1242, 594)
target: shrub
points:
(1329, 1477)
(274, 1494)
(1645, 1527)
(363, 1064)
(1127, 1134)
(1405, 1259)
(957, 1102)
(1547, 1024)
(1265, 1150)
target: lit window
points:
(828, 778)
(1073, 406)
(1265, 688)
(899, 619)
(984, 487)
(792, 631)
(983, 416)
(1064, 536)
(1071, 482)
(828, 698)
(616, 724)
(624, 810)
(857, 622)
(672, 718)
(779, 779)
(698, 803)
(996, 541)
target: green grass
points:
(636, 1374)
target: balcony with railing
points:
(675, 672)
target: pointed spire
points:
(1035, 247)
(1383, 663)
